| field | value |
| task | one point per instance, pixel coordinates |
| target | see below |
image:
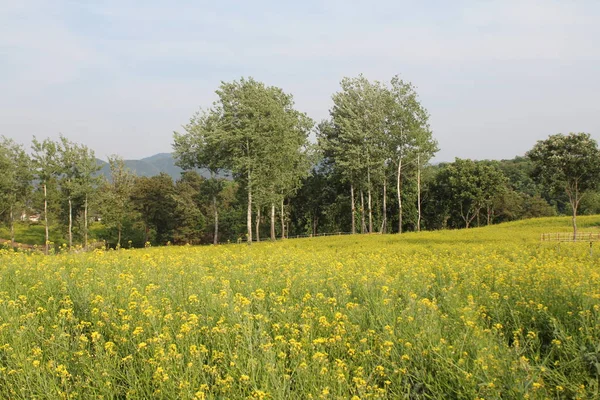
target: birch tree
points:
(408, 134)
(355, 141)
(15, 181)
(45, 171)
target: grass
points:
(34, 233)
(482, 313)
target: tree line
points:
(367, 171)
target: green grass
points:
(34, 233)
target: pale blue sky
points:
(120, 76)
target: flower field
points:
(482, 313)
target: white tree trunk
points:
(363, 223)
(384, 222)
(353, 208)
(273, 221)
(85, 223)
(216, 211)
(70, 223)
(418, 193)
(119, 228)
(12, 227)
(249, 215)
(46, 237)
(282, 221)
(399, 189)
(258, 224)
(369, 202)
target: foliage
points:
(567, 163)
(15, 181)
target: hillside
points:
(151, 166)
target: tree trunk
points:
(85, 223)
(399, 189)
(47, 246)
(258, 224)
(70, 223)
(314, 225)
(273, 221)
(119, 235)
(384, 222)
(216, 211)
(282, 220)
(353, 208)
(249, 215)
(12, 227)
(489, 215)
(418, 193)
(574, 219)
(369, 201)
(363, 223)
(146, 234)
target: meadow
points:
(484, 313)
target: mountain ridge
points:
(151, 166)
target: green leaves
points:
(567, 162)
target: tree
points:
(356, 138)
(87, 182)
(246, 132)
(77, 167)
(46, 171)
(198, 148)
(154, 199)
(190, 221)
(116, 202)
(408, 136)
(568, 163)
(467, 187)
(15, 180)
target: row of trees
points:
(367, 172)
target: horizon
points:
(496, 77)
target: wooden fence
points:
(570, 237)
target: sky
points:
(120, 76)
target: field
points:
(34, 234)
(483, 313)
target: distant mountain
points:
(151, 166)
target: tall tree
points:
(46, 171)
(198, 147)
(116, 202)
(251, 124)
(355, 139)
(568, 163)
(408, 135)
(77, 168)
(87, 183)
(15, 181)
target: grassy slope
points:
(34, 234)
(530, 229)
